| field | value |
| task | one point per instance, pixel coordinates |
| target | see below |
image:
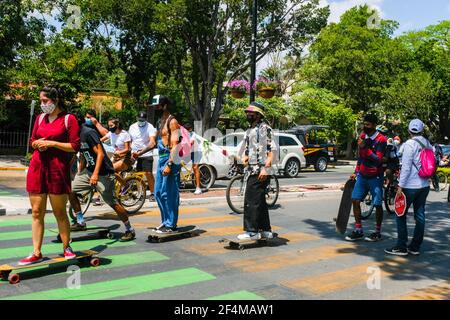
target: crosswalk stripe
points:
(238, 295)
(122, 287)
(47, 249)
(288, 259)
(439, 291)
(25, 221)
(218, 248)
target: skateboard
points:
(102, 232)
(87, 256)
(400, 204)
(241, 244)
(345, 207)
(186, 231)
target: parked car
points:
(319, 151)
(289, 158)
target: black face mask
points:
(250, 118)
(369, 131)
(113, 129)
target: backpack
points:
(66, 119)
(427, 162)
(185, 141)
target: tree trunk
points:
(349, 151)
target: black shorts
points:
(145, 164)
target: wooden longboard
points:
(345, 207)
(185, 231)
(241, 244)
(82, 256)
(103, 232)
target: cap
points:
(142, 116)
(159, 100)
(416, 126)
(256, 107)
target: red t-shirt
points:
(49, 171)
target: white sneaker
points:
(249, 236)
(267, 235)
(198, 191)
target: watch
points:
(169, 164)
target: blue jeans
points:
(364, 185)
(167, 193)
(418, 198)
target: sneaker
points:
(151, 198)
(198, 191)
(128, 236)
(249, 236)
(32, 258)
(267, 234)
(355, 236)
(397, 251)
(68, 254)
(412, 251)
(158, 227)
(97, 202)
(78, 227)
(165, 229)
(374, 237)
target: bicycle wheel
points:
(207, 176)
(235, 194)
(132, 194)
(272, 192)
(389, 198)
(443, 180)
(367, 207)
(85, 200)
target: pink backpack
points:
(185, 144)
(427, 162)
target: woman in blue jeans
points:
(416, 190)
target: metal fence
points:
(10, 139)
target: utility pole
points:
(253, 53)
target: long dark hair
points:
(56, 94)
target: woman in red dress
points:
(55, 136)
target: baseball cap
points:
(142, 116)
(416, 126)
(159, 100)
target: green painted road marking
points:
(49, 218)
(122, 287)
(16, 235)
(20, 252)
(117, 261)
(4, 193)
(238, 295)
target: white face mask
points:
(142, 123)
(396, 142)
(48, 108)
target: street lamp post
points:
(253, 52)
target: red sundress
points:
(49, 171)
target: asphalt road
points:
(309, 260)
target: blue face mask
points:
(88, 122)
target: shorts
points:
(196, 157)
(144, 164)
(105, 186)
(127, 160)
(364, 185)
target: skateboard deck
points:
(345, 207)
(86, 256)
(185, 231)
(241, 244)
(400, 204)
(102, 232)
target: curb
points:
(12, 169)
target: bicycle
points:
(131, 193)
(439, 180)
(207, 176)
(235, 192)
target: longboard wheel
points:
(4, 275)
(14, 278)
(241, 247)
(110, 236)
(95, 262)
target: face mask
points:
(396, 142)
(48, 108)
(250, 118)
(88, 122)
(368, 131)
(142, 123)
(113, 129)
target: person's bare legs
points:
(121, 212)
(196, 170)
(38, 207)
(357, 211)
(150, 181)
(120, 166)
(59, 202)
